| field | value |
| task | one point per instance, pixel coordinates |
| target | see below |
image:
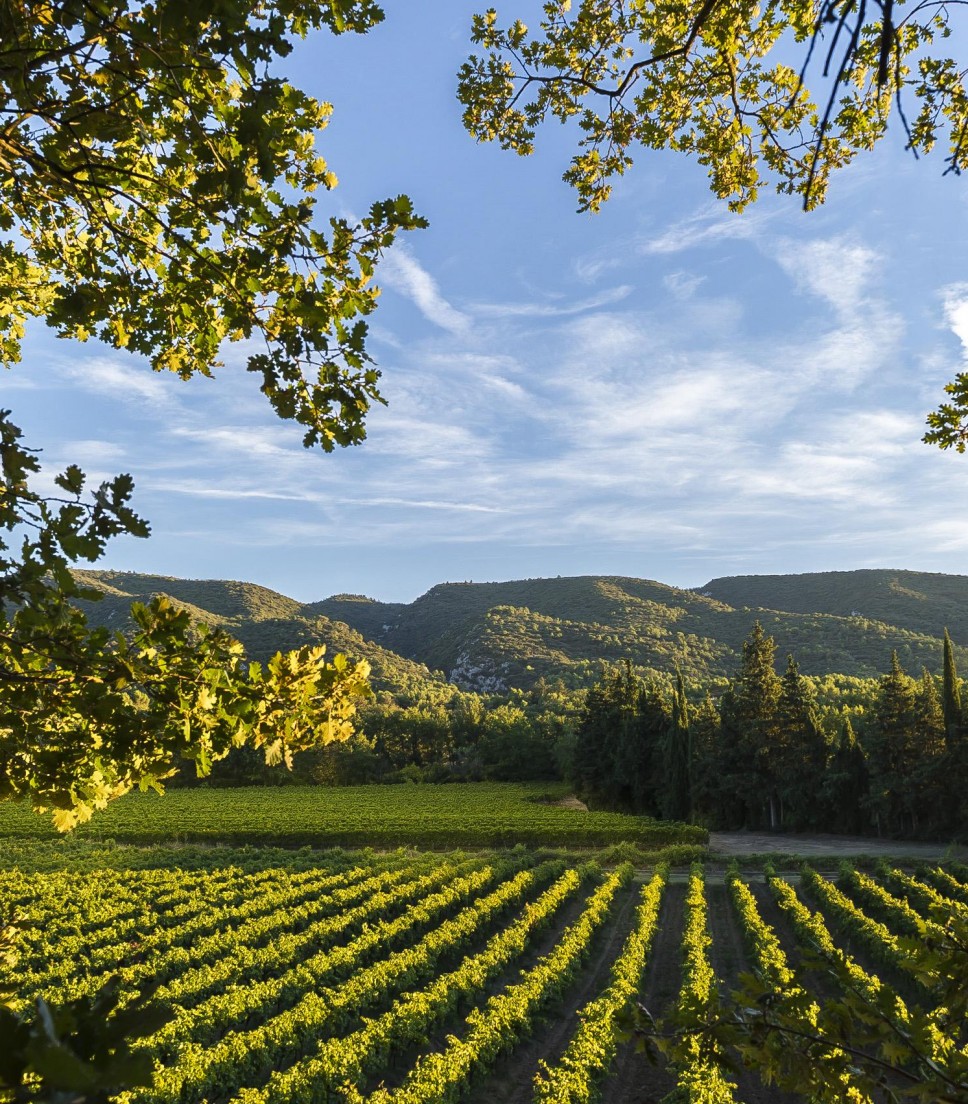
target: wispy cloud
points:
(837, 270)
(401, 271)
(956, 313)
(128, 382)
(708, 226)
(552, 310)
(683, 285)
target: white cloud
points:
(128, 382)
(956, 313)
(683, 285)
(400, 270)
(262, 441)
(835, 269)
(549, 310)
(91, 454)
(707, 226)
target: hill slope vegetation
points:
(495, 636)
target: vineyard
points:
(459, 815)
(403, 979)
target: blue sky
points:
(664, 390)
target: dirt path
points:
(758, 843)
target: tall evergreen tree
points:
(845, 787)
(675, 798)
(800, 759)
(952, 808)
(926, 789)
(644, 741)
(613, 761)
(590, 765)
(751, 732)
(951, 691)
(705, 774)
(891, 746)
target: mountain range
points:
(495, 636)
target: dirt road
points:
(752, 843)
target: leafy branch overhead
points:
(784, 92)
(88, 714)
(159, 191)
(699, 78)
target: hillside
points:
(263, 620)
(493, 636)
(916, 600)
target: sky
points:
(663, 390)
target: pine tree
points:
(751, 732)
(846, 783)
(891, 747)
(675, 797)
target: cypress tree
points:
(675, 796)
(951, 692)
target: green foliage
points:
(700, 79)
(87, 715)
(443, 817)
(158, 192)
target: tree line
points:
(764, 758)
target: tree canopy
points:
(784, 93)
(725, 82)
(160, 191)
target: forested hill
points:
(492, 636)
(915, 600)
(263, 620)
